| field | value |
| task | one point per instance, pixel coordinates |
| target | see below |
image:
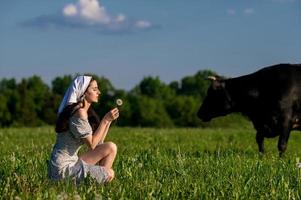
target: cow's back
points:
(278, 81)
(273, 80)
(269, 85)
(278, 73)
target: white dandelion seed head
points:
(119, 102)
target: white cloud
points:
(143, 24)
(70, 10)
(231, 12)
(249, 11)
(120, 18)
(89, 10)
(92, 13)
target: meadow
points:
(153, 163)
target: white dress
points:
(64, 160)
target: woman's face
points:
(92, 92)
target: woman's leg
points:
(111, 174)
(104, 154)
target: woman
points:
(77, 124)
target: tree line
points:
(151, 103)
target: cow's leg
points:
(284, 131)
(282, 142)
(259, 140)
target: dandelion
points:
(76, 197)
(98, 197)
(119, 102)
(62, 196)
(13, 157)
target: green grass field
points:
(158, 164)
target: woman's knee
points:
(112, 146)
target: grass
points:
(158, 164)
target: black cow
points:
(270, 98)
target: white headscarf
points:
(75, 92)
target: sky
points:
(127, 40)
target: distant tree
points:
(40, 93)
(60, 84)
(175, 86)
(28, 101)
(7, 85)
(26, 111)
(151, 103)
(183, 111)
(5, 115)
(155, 88)
(50, 108)
(196, 85)
(8, 101)
(149, 112)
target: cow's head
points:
(217, 102)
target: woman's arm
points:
(107, 126)
(102, 130)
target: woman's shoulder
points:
(81, 113)
(79, 124)
(79, 119)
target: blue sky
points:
(126, 40)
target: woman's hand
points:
(112, 115)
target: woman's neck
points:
(82, 112)
(86, 105)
